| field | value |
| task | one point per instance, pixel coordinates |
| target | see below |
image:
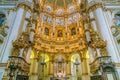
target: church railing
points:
(19, 62)
(101, 61)
(16, 66)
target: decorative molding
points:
(3, 64)
(117, 64)
(26, 5)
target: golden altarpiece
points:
(57, 42)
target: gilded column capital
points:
(104, 51)
(15, 51)
(98, 43)
(94, 6)
(115, 30)
(25, 6)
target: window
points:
(59, 21)
(62, 22)
(48, 8)
(2, 19)
(70, 20)
(75, 17)
(117, 19)
(49, 20)
(60, 11)
(45, 18)
(71, 9)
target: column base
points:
(85, 77)
(4, 78)
(33, 77)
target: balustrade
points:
(101, 61)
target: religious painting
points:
(46, 31)
(60, 34)
(73, 31)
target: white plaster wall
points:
(1, 73)
(118, 72)
(3, 11)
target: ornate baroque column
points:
(85, 67)
(105, 32)
(34, 69)
(88, 37)
(51, 67)
(68, 69)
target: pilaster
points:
(85, 69)
(34, 69)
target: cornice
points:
(94, 6)
(26, 5)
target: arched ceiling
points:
(60, 7)
(60, 3)
(60, 26)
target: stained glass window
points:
(49, 20)
(60, 11)
(2, 19)
(45, 18)
(71, 9)
(48, 8)
(117, 20)
(70, 20)
(57, 21)
(60, 21)
(75, 17)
